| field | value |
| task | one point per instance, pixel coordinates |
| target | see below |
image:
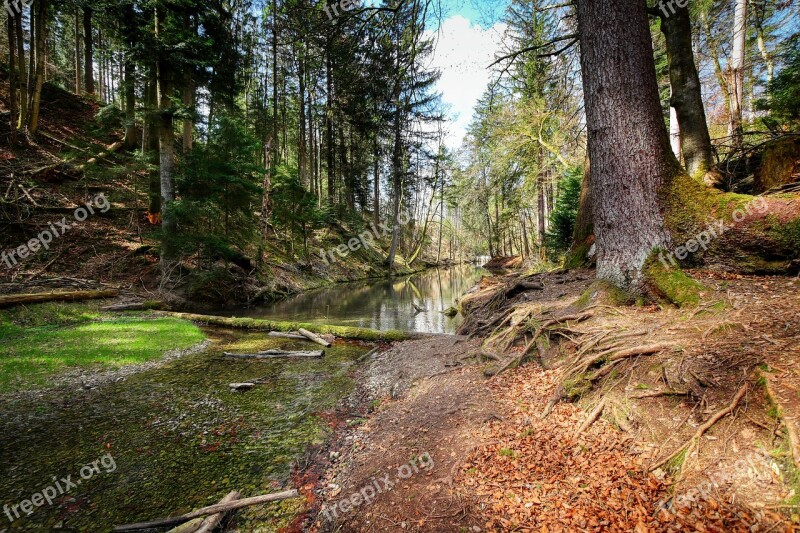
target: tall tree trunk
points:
(150, 146)
(376, 182)
(13, 89)
(329, 138)
(397, 181)
(40, 48)
(166, 144)
(301, 142)
(188, 92)
(88, 54)
(275, 136)
(78, 62)
(129, 73)
(628, 141)
(736, 72)
(21, 74)
(686, 97)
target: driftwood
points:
(210, 510)
(291, 335)
(273, 354)
(211, 522)
(71, 296)
(314, 337)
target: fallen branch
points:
(313, 337)
(691, 444)
(71, 296)
(272, 354)
(290, 335)
(210, 510)
(211, 522)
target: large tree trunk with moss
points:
(686, 98)
(628, 142)
(583, 238)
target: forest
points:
(392, 265)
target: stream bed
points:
(174, 438)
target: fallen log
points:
(211, 522)
(210, 510)
(272, 354)
(255, 324)
(42, 297)
(314, 337)
(290, 335)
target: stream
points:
(179, 438)
(381, 304)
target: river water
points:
(181, 439)
(382, 304)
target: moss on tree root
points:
(255, 324)
(766, 240)
(671, 283)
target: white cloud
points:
(463, 51)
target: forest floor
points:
(689, 437)
(43, 181)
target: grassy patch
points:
(34, 350)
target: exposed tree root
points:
(592, 418)
(689, 447)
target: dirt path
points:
(496, 465)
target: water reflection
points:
(382, 304)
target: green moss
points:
(676, 463)
(180, 437)
(576, 387)
(32, 355)
(255, 324)
(672, 283)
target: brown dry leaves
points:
(535, 476)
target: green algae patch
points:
(33, 353)
(181, 439)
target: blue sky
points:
(466, 44)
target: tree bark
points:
(686, 97)
(736, 72)
(78, 63)
(88, 55)
(628, 140)
(21, 74)
(13, 89)
(40, 49)
(166, 142)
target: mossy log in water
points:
(255, 324)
